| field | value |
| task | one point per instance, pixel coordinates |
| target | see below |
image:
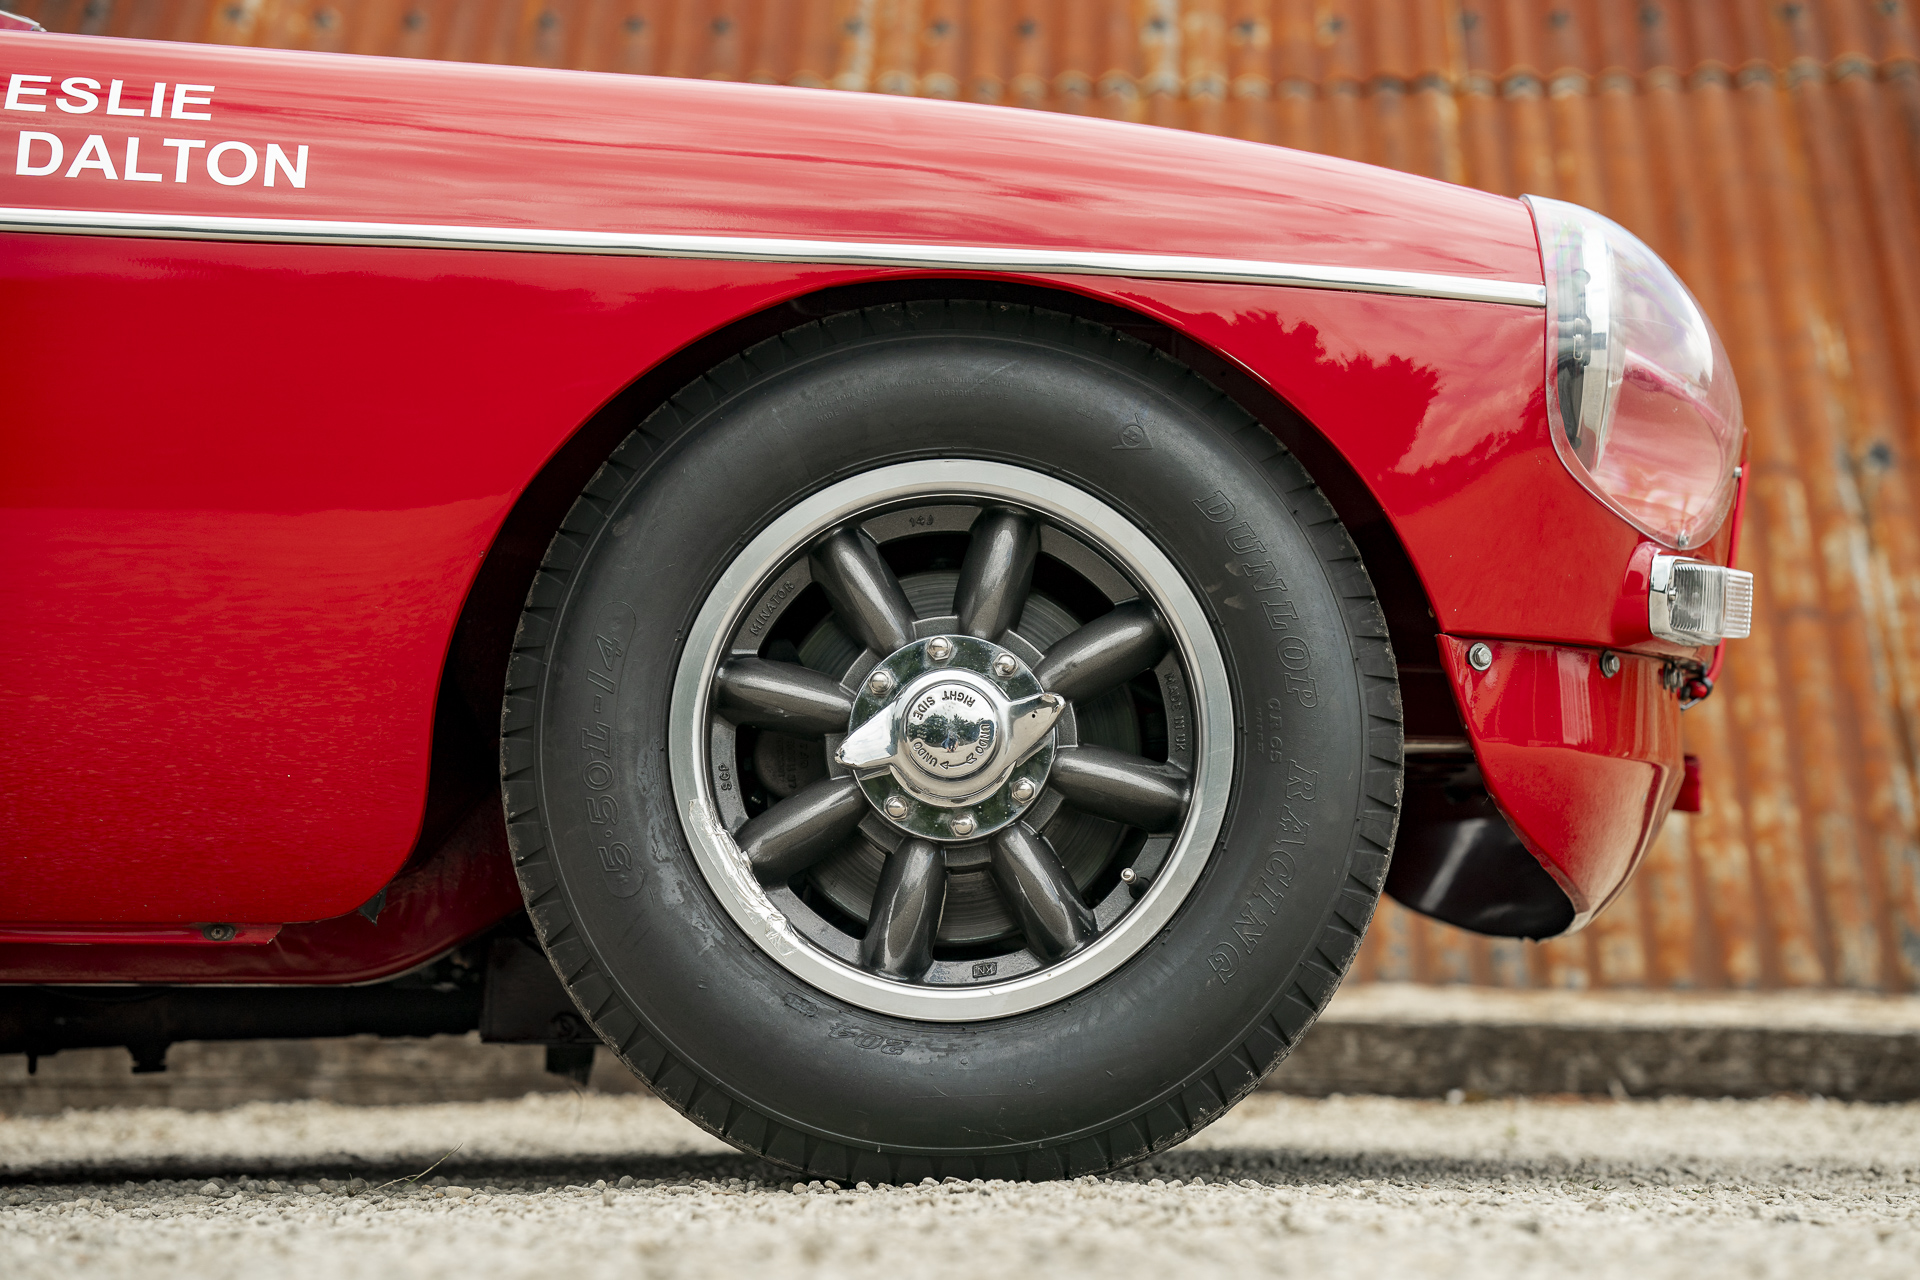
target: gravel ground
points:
(587, 1186)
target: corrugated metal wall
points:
(1771, 151)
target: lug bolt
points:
(896, 807)
(880, 684)
(1023, 791)
(939, 648)
(1480, 657)
(962, 825)
(1005, 665)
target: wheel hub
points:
(951, 737)
(951, 729)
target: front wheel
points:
(951, 739)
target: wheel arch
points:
(473, 674)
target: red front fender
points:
(1584, 766)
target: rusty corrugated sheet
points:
(1771, 152)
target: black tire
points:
(1128, 1066)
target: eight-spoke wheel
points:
(1003, 738)
(951, 738)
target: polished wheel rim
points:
(951, 740)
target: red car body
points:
(267, 500)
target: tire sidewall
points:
(1199, 479)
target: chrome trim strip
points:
(1151, 266)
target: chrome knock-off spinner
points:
(951, 737)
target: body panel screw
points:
(1609, 664)
(939, 648)
(1480, 657)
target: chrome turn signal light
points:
(1691, 602)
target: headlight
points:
(1644, 408)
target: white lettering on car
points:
(20, 86)
(78, 88)
(184, 146)
(133, 164)
(113, 102)
(296, 172)
(93, 155)
(24, 165)
(183, 97)
(213, 163)
(81, 94)
(230, 163)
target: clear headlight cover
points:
(1642, 401)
